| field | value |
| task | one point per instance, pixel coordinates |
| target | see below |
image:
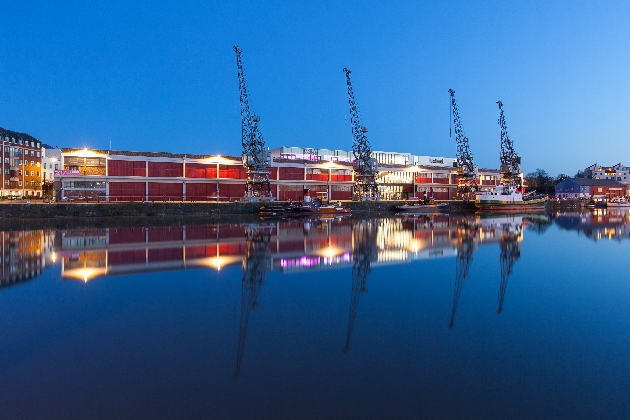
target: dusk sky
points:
(161, 76)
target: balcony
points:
(14, 179)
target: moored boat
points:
(313, 208)
(618, 202)
(509, 199)
(421, 207)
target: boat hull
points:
(534, 205)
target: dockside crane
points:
(466, 231)
(365, 167)
(510, 162)
(364, 252)
(510, 252)
(467, 171)
(256, 160)
(255, 265)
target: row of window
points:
(50, 166)
(8, 172)
(26, 183)
(15, 151)
(17, 162)
(25, 142)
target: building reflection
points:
(25, 253)
(598, 224)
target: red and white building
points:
(108, 175)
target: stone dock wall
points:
(159, 209)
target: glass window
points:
(44, 165)
(19, 151)
(37, 173)
(32, 173)
(37, 154)
(56, 166)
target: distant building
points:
(51, 161)
(114, 175)
(617, 172)
(21, 165)
(587, 188)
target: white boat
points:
(509, 199)
(618, 202)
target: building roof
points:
(587, 182)
(24, 136)
(147, 154)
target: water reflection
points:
(24, 255)
(597, 224)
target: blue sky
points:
(162, 77)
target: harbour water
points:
(405, 317)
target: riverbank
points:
(39, 210)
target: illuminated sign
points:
(436, 160)
(66, 172)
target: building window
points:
(37, 173)
(19, 183)
(32, 153)
(32, 173)
(19, 151)
(37, 154)
(56, 166)
(6, 182)
(6, 160)
(44, 165)
(32, 163)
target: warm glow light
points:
(54, 257)
(84, 274)
(218, 262)
(330, 251)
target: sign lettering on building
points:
(67, 172)
(436, 160)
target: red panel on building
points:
(162, 191)
(231, 232)
(129, 235)
(166, 233)
(201, 170)
(232, 172)
(134, 256)
(200, 251)
(231, 192)
(233, 249)
(165, 169)
(201, 232)
(201, 192)
(126, 191)
(423, 180)
(166, 254)
(126, 168)
(294, 174)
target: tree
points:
(579, 174)
(540, 181)
(560, 178)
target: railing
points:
(140, 199)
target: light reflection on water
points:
(275, 319)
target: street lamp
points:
(328, 165)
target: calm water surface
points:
(472, 317)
